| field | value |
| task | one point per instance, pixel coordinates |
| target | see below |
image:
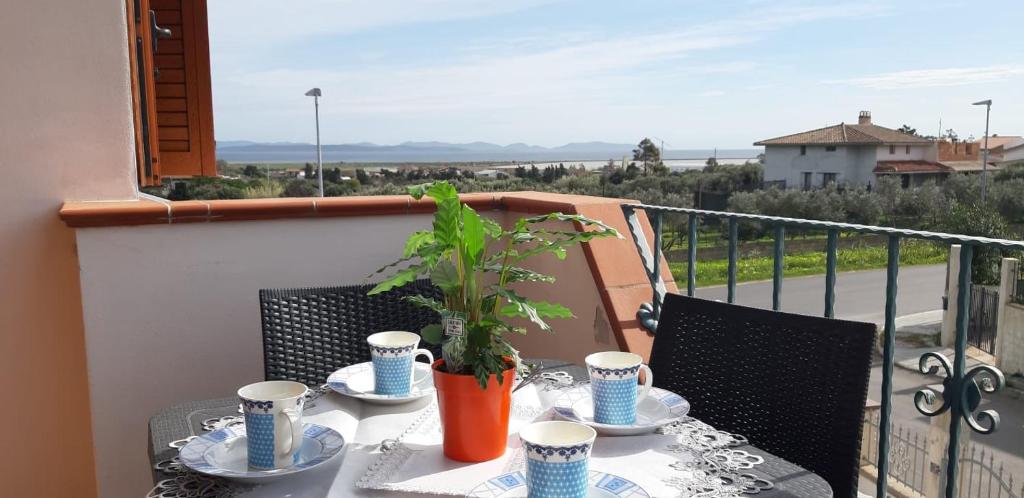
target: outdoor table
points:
(365, 426)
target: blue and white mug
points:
(557, 455)
(614, 377)
(393, 354)
(273, 422)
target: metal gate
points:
(981, 328)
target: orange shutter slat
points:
(183, 97)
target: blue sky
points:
(697, 74)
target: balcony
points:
(169, 293)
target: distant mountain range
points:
(245, 151)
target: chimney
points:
(864, 118)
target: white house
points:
(852, 155)
(1013, 153)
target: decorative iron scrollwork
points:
(647, 319)
(966, 392)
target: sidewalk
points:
(917, 334)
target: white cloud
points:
(578, 76)
(921, 78)
(275, 21)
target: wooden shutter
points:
(174, 103)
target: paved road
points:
(860, 295)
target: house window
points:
(803, 150)
(828, 179)
(905, 181)
(805, 182)
(830, 148)
(908, 150)
(892, 149)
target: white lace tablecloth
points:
(686, 459)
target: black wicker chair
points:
(309, 333)
(795, 385)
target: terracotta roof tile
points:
(852, 134)
(911, 167)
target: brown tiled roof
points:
(911, 167)
(847, 134)
(1006, 141)
(968, 166)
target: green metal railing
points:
(962, 389)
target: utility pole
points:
(984, 157)
(316, 94)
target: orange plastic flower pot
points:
(474, 420)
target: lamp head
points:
(984, 102)
(315, 92)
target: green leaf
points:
(477, 336)
(417, 241)
(432, 334)
(472, 235)
(426, 302)
(387, 266)
(445, 276)
(402, 277)
(446, 219)
(518, 274)
(491, 227)
(582, 220)
(535, 311)
(418, 191)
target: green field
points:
(813, 263)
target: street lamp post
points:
(316, 94)
(984, 160)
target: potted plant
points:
(475, 262)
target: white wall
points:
(172, 314)
(853, 164)
(917, 153)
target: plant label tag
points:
(454, 324)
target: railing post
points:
(733, 242)
(652, 266)
(888, 350)
(830, 272)
(656, 302)
(779, 261)
(691, 269)
(959, 365)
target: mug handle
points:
(294, 422)
(415, 354)
(646, 386)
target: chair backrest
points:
(795, 385)
(311, 332)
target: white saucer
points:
(357, 381)
(660, 407)
(223, 453)
(602, 485)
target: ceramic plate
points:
(222, 453)
(660, 407)
(357, 381)
(602, 485)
